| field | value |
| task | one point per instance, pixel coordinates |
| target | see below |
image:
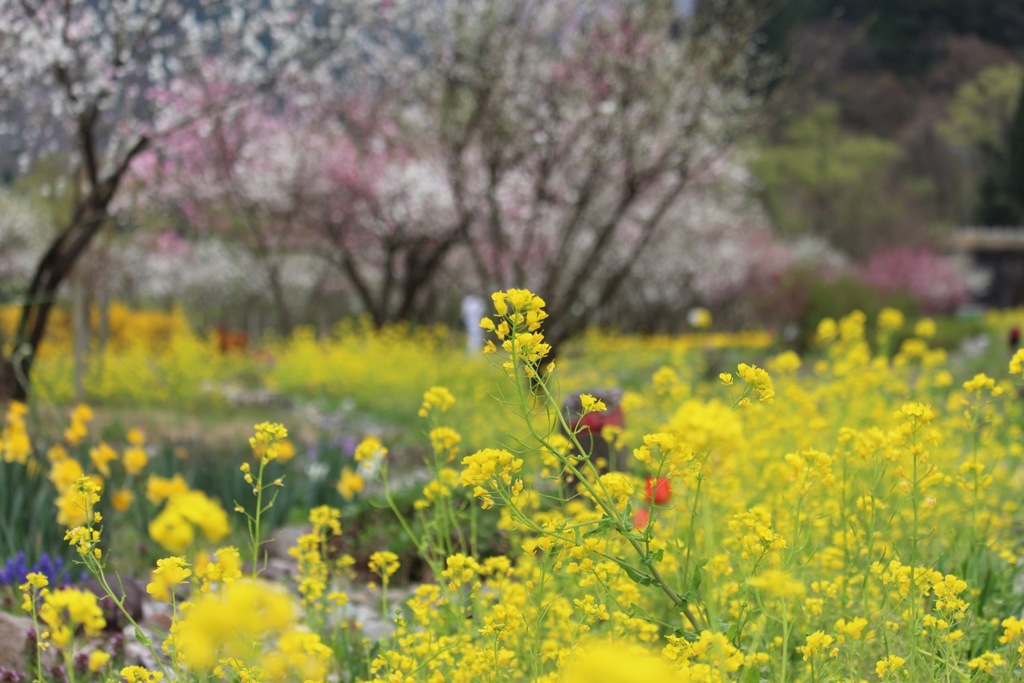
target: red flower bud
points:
(641, 518)
(661, 491)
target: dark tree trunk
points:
(53, 268)
(55, 265)
(7, 379)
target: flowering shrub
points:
(937, 283)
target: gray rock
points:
(15, 635)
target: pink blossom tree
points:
(242, 176)
(551, 145)
(475, 145)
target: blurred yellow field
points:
(849, 516)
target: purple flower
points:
(15, 569)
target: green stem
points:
(915, 630)
(785, 638)
(601, 500)
(421, 547)
(69, 662)
(691, 538)
(35, 627)
(384, 599)
(146, 641)
(256, 520)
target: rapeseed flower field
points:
(851, 515)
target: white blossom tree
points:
(100, 81)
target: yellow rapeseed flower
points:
(35, 580)
(438, 398)
(370, 449)
(889, 666)
(134, 460)
(169, 572)
(65, 610)
(445, 442)
(1017, 363)
(758, 380)
(267, 439)
(230, 623)
(986, 663)
(136, 437)
(138, 674)
(818, 644)
(97, 660)
(350, 483)
(384, 563)
(299, 655)
(591, 404)
(224, 568)
(101, 456)
(159, 489)
(122, 499)
(610, 661)
(925, 328)
(890, 319)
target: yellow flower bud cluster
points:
(315, 562)
(169, 572)
(489, 469)
(758, 380)
(370, 449)
(175, 526)
(384, 563)
(519, 315)
(438, 398)
(267, 441)
(225, 567)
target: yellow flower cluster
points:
(169, 572)
(519, 315)
(316, 563)
(76, 432)
(350, 483)
(819, 644)
(445, 442)
(79, 496)
(174, 528)
(758, 380)
(138, 674)
(591, 404)
(15, 445)
(436, 398)
(268, 442)
(225, 567)
(384, 563)
(490, 470)
(891, 319)
(1017, 363)
(230, 623)
(66, 610)
(370, 449)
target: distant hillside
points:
(865, 91)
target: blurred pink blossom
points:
(937, 282)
